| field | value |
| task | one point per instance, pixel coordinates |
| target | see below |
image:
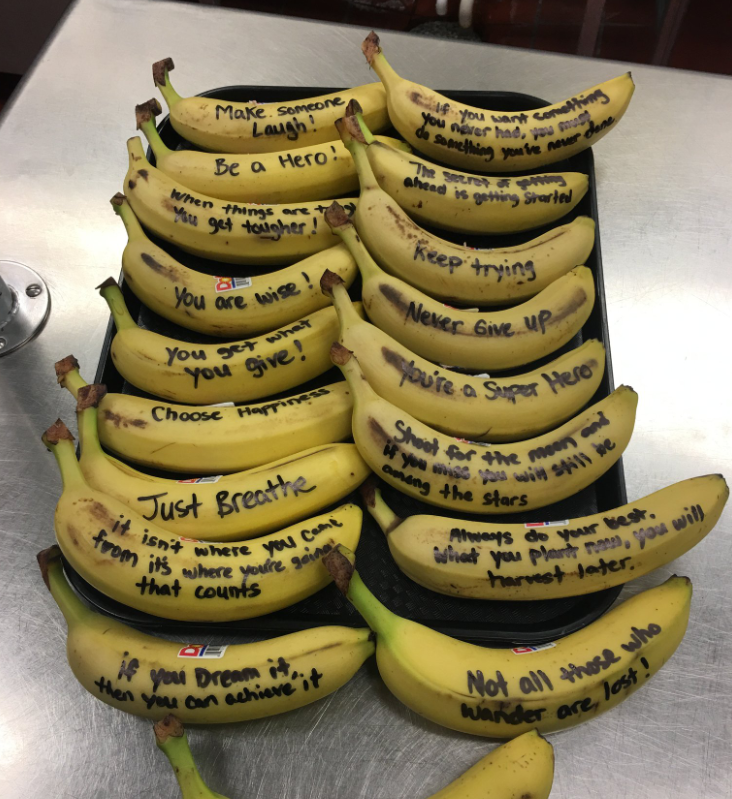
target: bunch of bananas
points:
(245, 519)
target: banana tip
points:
(370, 46)
(368, 492)
(169, 727)
(336, 216)
(118, 200)
(353, 108)
(90, 396)
(329, 280)
(64, 366)
(57, 432)
(108, 283)
(146, 111)
(340, 569)
(160, 70)
(339, 354)
(45, 558)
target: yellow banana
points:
(452, 272)
(560, 558)
(475, 478)
(215, 440)
(204, 684)
(218, 305)
(481, 341)
(228, 507)
(473, 407)
(140, 564)
(502, 693)
(236, 371)
(467, 203)
(308, 173)
(264, 127)
(238, 233)
(497, 141)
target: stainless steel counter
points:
(665, 194)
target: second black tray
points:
(494, 622)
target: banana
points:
(481, 341)
(497, 141)
(308, 173)
(238, 233)
(215, 440)
(473, 407)
(264, 127)
(142, 565)
(502, 693)
(223, 507)
(453, 473)
(546, 560)
(519, 769)
(204, 684)
(467, 203)
(237, 371)
(224, 306)
(172, 741)
(452, 272)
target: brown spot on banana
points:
(161, 269)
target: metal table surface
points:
(665, 196)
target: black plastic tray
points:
(495, 622)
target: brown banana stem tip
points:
(370, 47)
(45, 558)
(57, 432)
(169, 727)
(354, 129)
(159, 68)
(340, 569)
(90, 396)
(147, 111)
(118, 199)
(64, 366)
(336, 215)
(329, 281)
(339, 354)
(368, 492)
(353, 108)
(110, 281)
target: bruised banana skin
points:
(465, 203)
(316, 172)
(565, 558)
(503, 693)
(484, 479)
(467, 339)
(228, 507)
(497, 141)
(237, 371)
(494, 409)
(231, 127)
(237, 233)
(228, 307)
(456, 273)
(215, 440)
(150, 677)
(143, 566)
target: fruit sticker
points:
(202, 651)
(231, 283)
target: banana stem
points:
(171, 739)
(170, 95)
(354, 375)
(366, 264)
(91, 447)
(345, 310)
(74, 611)
(153, 137)
(116, 302)
(367, 134)
(67, 374)
(376, 615)
(127, 215)
(383, 514)
(358, 152)
(65, 454)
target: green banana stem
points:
(377, 507)
(123, 210)
(73, 609)
(159, 147)
(61, 443)
(372, 50)
(171, 739)
(67, 374)
(367, 134)
(345, 309)
(88, 417)
(116, 302)
(341, 565)
(350, 134)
